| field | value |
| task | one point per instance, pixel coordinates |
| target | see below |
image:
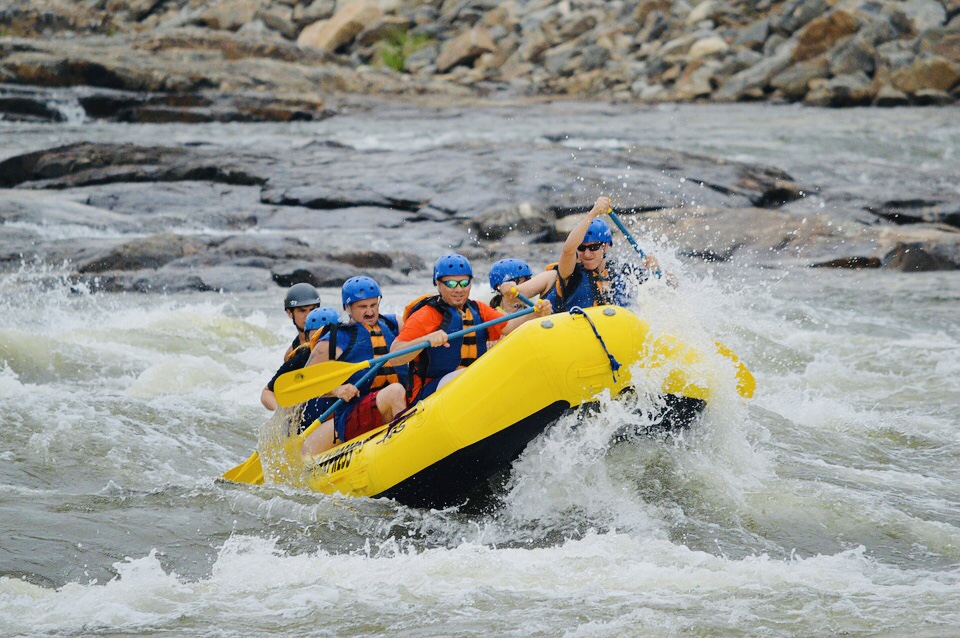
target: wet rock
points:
(723, 234)
(88, 164)
(918, 211)
(497, 223)
(272, 246)
(914, 258)
(365, 259)
(149, 253)
(852, 263)
(322, 274)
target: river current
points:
(827, 505)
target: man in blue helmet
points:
(369, 334)
(300, 300)
(431, 318)
(584, 277)
(317, 323)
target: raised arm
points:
(568, 254)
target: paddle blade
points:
(250, 471)
(746, 384)
(314, 381)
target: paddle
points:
(313, 381)
(251, 470)
(626, 233)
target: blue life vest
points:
(584, 289)
(433, 363)
(356, 346)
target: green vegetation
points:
(396, 46)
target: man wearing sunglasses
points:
(432, 318)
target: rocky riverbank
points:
(199, 215)
(243, 60)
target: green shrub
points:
(396, 46)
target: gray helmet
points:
(301, 294)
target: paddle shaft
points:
(452, 335)
(336, 404)
(633, 242)
(526, 300)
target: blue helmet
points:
(320, 317)
(358, 289)
(598, 232)
(452, 264)
(508, 270)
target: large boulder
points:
(465, 48)
(342, 28)
(822, 33)
(149, 253)
(927, 73)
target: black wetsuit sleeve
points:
(297, 361)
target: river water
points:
(827, 505)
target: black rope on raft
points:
(614, 364)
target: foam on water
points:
(625, 583)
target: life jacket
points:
(552, 295)
(433, 363)
(314, 408)
(587, 288)
(363, 344)
(331, 340)
(293, 348)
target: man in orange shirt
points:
(452, 310)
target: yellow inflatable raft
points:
(443, 448)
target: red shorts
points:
(363, 417)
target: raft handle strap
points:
(614, 364)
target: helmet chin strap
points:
(293, 320)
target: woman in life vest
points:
(451, 310)
(512, 272)
(318, 322)
(584, 276)
(509, 273)
(369, 334)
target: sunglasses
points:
(453, 283)
(594, 247)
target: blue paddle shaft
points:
(525, 300)
(633, 242)
(453, 335)
(366, 377)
